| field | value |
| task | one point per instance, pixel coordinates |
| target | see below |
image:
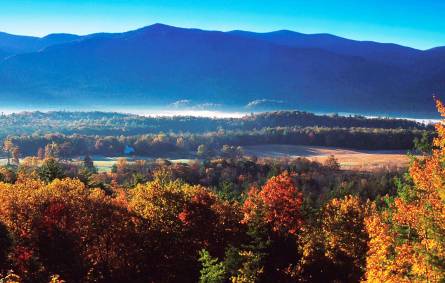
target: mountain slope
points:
(16, 44)
(382, 52)
(3, 54)
(160, 64)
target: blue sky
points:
(420, 24)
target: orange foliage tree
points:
(279, 202)
(64, 228)
(274, 219)
(407, 239)
(188, 219)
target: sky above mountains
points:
(417, 24)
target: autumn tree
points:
(11, 277)
(66, 229)
(52, 150)
(8, 147)
(333, 244)
(228, 151)
(345, 238)
(332, 163)
(7, 174)
(121, 165)
(178, 212)
(273, 215)
(281, 201)
(40, 153)
(16, 155)
(407, 238)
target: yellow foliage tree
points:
(407, 240)
(345, 237)
(186, 219)
(65, 228)
(335, 245)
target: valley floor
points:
(366, 160)
(349, 159)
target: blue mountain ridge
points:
(161, 64)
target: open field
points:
(348, 159)
(104, 164)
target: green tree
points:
(203, 151)
(50, 170)
(423, 144)
(89, 164)
(212, 270)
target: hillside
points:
(373, 51)
(159, 65)
(16, 44)
(116, 124)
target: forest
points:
(144, 222)
(71, 134)
(225, 217)
(115, 124)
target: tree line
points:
(210, 144)
(115, 124)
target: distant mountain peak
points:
(159, 64)
(286, 31)
(157, 27)
(160, 26)
(60, 35)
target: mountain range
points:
(161, 65)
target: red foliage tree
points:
(279, 202)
